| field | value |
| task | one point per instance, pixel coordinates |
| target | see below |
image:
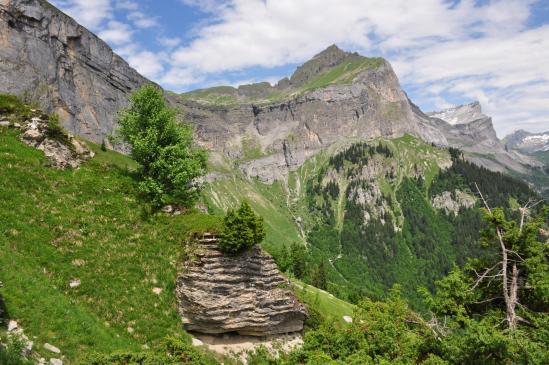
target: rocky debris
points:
(218, 293)
(348, 319)
(173, 209)
(47, 56)
(12, 326)
(157, 291)
(61, 149)
(16, 335)
(54, 361)
(239, 346)
(52, 348)
(74, 283)
(452, 202)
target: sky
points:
(445, 52)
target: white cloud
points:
(88, 13)
(143, 21)
(127, 5)
(169, 42)
(116, 33)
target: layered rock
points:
(467, 128)
(48, 57)
(244, 294)
(370, 104)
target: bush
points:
(241, 230)
(174, 351)
(169, 160)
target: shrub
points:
(241, 230)
(11, 104)
(169, 161)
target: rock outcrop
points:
(243, 294)
(452, 202)
(61, 148)
(48, 57)
(467, 128)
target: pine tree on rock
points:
(242, 229)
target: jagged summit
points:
(462, 114)
(327, 59)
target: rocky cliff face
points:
(467, 128)
(369, 104)
(244, 294)
(270, 130)
(527, 142)
(48, 57)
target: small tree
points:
(169, 161)
(241, 230)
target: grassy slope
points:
(87, 224)
(267, 200)
(325, 303)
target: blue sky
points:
(445, 52)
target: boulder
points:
(245, 294)
(51, 348)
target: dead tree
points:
(508, 269)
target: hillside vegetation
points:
(89, 226)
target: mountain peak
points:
(328, 58)
(331, 51)
(461, 114)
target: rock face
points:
(48, 57)
(467, 128)
(452, 202)
(527, 142)
(219, 294)
(370, 104)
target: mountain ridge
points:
(267, 130)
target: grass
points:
(325, 303)
(542, 156)
(344, 73)
(87, 224)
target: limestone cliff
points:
(48, 57)
(335, 96)
(244, 294)
(467, 128)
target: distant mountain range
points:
(527, 142)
